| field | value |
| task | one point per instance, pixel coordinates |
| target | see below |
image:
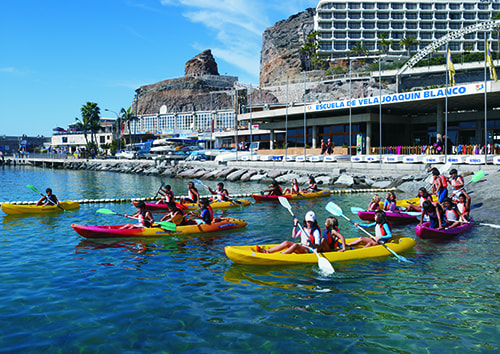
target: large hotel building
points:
(343, 24)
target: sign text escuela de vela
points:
(399, 97)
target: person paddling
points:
(294, 189)
(313, 186)
(274, 189)
(221, 192)
(383, 231)
(374, 205)
(49, 199)
(175, 214)
(143, 215)
(310, 236)
(168, 195)
(194, 195)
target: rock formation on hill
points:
(280, 55)
(202, 64)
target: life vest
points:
(332, 240)
(380, 231)
(210, 213)
(143, 220)
(169, 196)
(444, 183)
(193, 196)
(310, 235)
(373, 206)
(461, 208)
(454, 182)
(390, 205)
(220, 196)
(295, 189)
(451, 214)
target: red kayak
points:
(161, 206)
(425, 232)
(301, 195)
(395, 217)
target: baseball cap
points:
(310, 216)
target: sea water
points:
(61, 292)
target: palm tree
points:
(83, 126)
(128, 116)
(310, 49)
(384, 43)
(91, 114)
(408, 42)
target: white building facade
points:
(343, 24)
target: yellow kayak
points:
(249, 254)
(404, 202)
(12, 209)
(219, 205)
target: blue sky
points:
(56, 55)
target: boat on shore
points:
(249, 254)
(306, 195)
(426, 233)
(114, 231)
(13, 209)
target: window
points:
(354, 25)
(395, 6)
(369, 16)
(411, 16)
(325, 46)
(368, 5)
(340, 35)
(325, 16)
(65, 139)
(369, 25)
(454, 6)
(383, 16)
(354, 5)
(425, 6)
(339, 25)
(397, 16)
(339, 46)
(102, 140)
(354, 15)
(425, 16)
(339, 16)
(325, 25)
(468, 6)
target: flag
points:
(451, 68)
(489, 61)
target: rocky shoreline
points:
(340, 177)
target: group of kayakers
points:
(275, 189)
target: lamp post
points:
(119, 125)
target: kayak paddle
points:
(481, 223)
(33, 188)
(323, 263)
(200, 183)
(334, 209)
(159, 189)
(355, 210)
(169, 226)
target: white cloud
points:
(238, 25)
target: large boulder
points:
(345, 180)
(236, 175)
(246, 177)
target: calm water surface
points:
(61, 292)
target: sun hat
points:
(310, 216)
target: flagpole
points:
(485, 102)
(448, 59)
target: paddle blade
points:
(285, 203)
(490, 225)
(105, 211)
(355, 210)
(199, 183)
(32, 188)
(169, 226)
(334, 209)
(477, 176)
(325, 265)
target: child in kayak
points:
(206, 213)
(221, 192)
(194, 196)
(175, 214)
(49, 199)
(457, 183)
(423, 195)
(144, 217)
(332, 238)
(435, 213)
(463, 206)
(390, 202)
(275, 189)
(383, 231)
(294, 189)
(313, 186)
(451, 213)
(374, 205)
(310, 236)
(168, 195)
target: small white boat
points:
(290, 158)
(372, 158)
(412, 159)
(300, 158)
(433, 159)
(278, 157)
(496, 160)
(478, 159)
(330, 158)
(392, 158)
(315, 158)
(358, 158)
(456, 159)
(265, 157)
